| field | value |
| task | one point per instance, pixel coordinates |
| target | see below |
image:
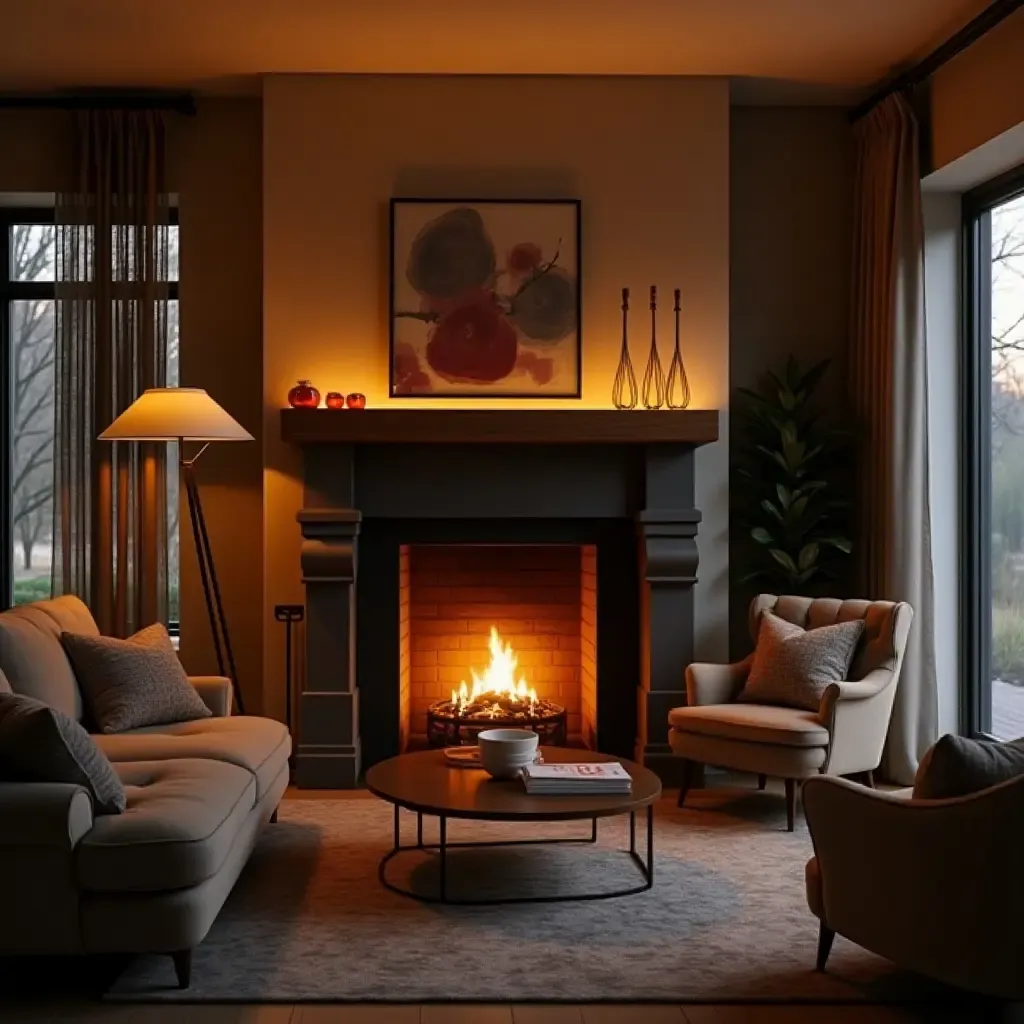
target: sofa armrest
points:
(857, 715)
(715, 684)
(52, 814)
(215, 692)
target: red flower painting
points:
(477, 310)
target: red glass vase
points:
(356, 401)
(335, 400)
(304, 396)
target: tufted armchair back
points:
(886, 626)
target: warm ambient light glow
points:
(498, 681)
(175, 414)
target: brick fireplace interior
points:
(542, 599)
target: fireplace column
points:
(667, 528)
(327, 755)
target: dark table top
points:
(426, 782)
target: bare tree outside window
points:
(1007, 294)
(31, 333)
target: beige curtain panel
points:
(110, 502)
(889, 397)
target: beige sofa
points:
(933, 885)
(150, 880)
(843, 737)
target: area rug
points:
(726, 920)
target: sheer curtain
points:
(889, 395)
(110, 501)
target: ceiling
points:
(829, 49)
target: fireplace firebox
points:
(441, 546)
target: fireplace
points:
(572, 534)
(497, 635)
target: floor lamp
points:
(189, 415)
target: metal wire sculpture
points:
(624, 391)
(654, 376)
(677, 391)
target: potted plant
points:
(789, 459)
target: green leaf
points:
(808, 556)
(798, 507)
(771, 510)
(839, 543)
(761, 535)
(784, 495)
(784, 560)
(812, 378)
(776, 457)
(808, 574)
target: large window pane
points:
(1007, 311)
(32, 252)
(32, 371)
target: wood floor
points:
(59, 1013)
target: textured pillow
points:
(793, 666)
(957, 766)
(41, 744)
(128, 684)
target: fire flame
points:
(498, 680)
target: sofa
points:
(153, 878)
(844, 736)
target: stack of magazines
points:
(567, 779)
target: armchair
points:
(932, 885)
(844, 736)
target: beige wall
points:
(979, 94)
(649, 159)
(791, 220)
(35, 151)
(214, 164)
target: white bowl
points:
(505, 752)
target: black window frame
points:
(11, 292)
(976, 448)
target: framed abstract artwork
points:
(485, 298)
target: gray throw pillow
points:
(957, 766)
(41, 744)
(128, 684)
(794, 666)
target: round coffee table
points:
(426, 784)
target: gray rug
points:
(726, 920)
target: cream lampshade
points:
(189, 414)
(175, 414)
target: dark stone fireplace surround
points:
(377, 479)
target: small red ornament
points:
(356, 401)
(304, 396)
(335, 400)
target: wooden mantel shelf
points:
(498, 426)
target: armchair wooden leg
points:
(183, 967)
(273, 817)
(689, 771)
(762, 781)
(825, 937)
(869, 780)
(790, 804)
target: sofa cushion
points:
(754, 723)
(31, 655)
(178, 829)
(794, 666)
(41, 744)
(260, 745)
(958, 766)
(135, 682)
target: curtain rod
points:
(105, 99)
(996, 12)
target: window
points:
(27, 311)
(993, 601)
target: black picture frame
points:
(484, 391)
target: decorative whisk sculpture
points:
(654, 377)
(624, 392)
(677, 391)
